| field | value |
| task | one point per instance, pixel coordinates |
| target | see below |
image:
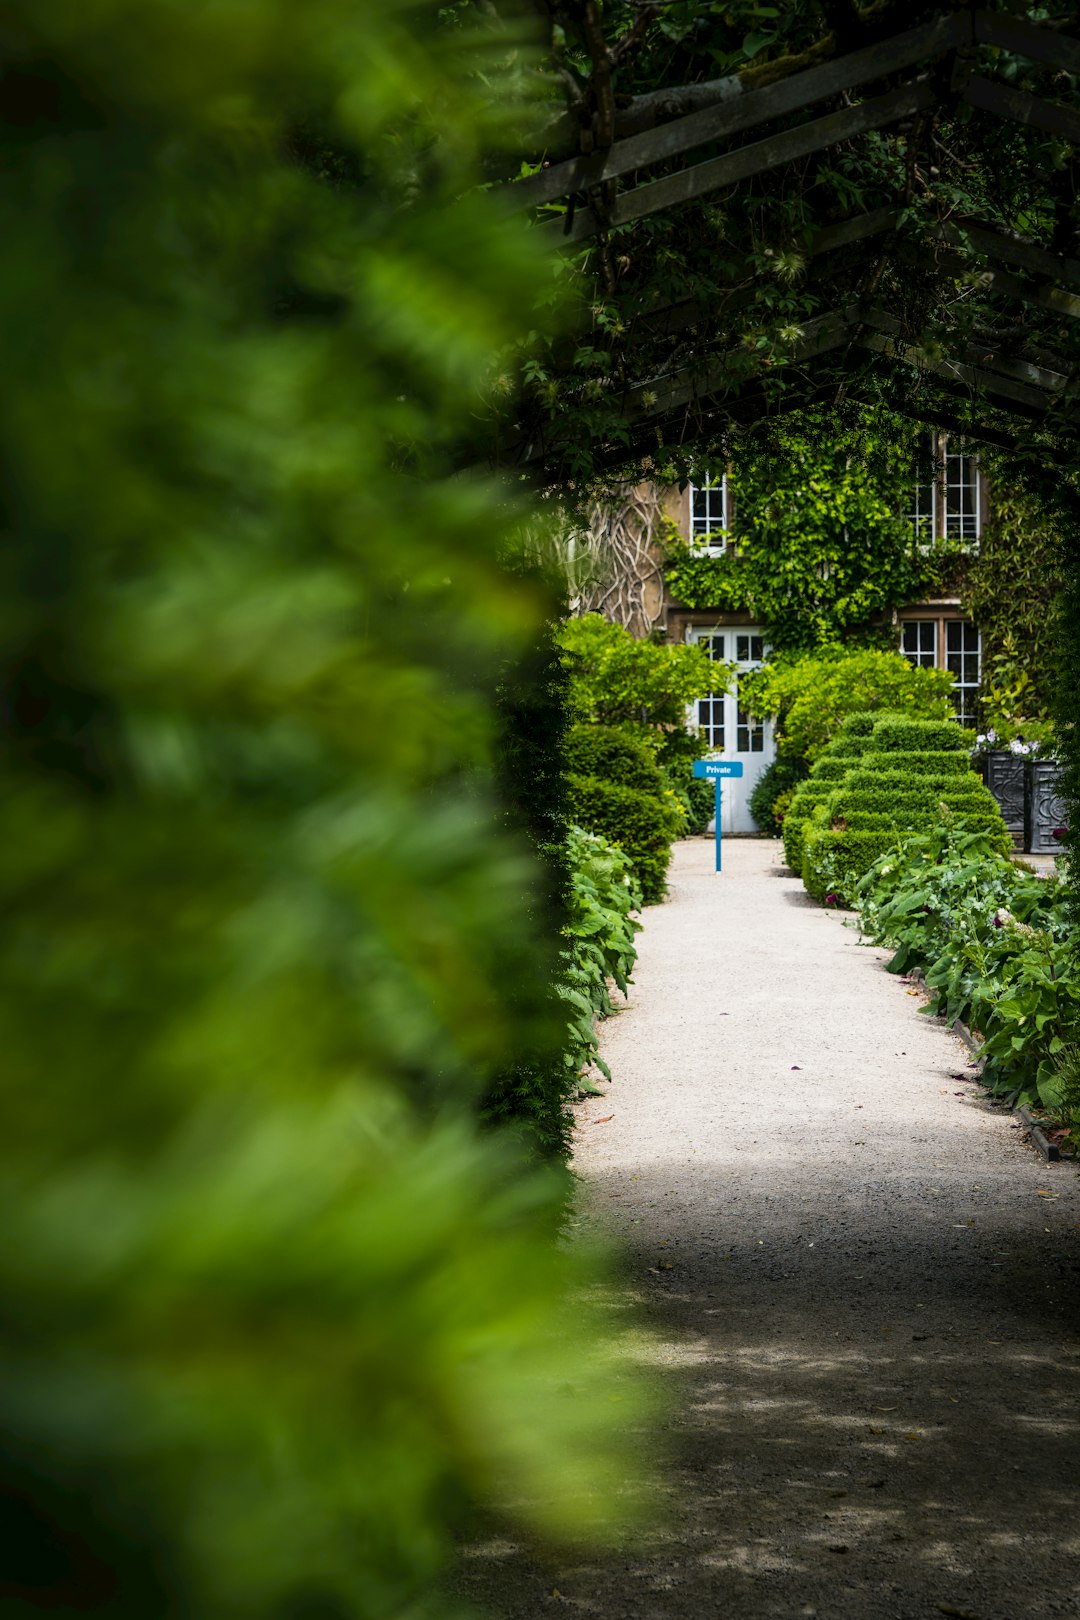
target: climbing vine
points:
(1011, 593)
(822, 547)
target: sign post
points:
(715, 770)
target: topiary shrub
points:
(834, 861)
(883, 793)
(938, 763)
(641, 824)
(807, 795)
(779, 778)
(831, 770)
(615, 755)
(894, 736)
(844, 747)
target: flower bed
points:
(996, 951)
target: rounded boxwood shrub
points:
(614, 755)
(781, 777)
(641, 824)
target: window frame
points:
(942, 618)
(943, 458)
(721, 544)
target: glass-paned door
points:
(728, 727)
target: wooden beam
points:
(1000, 246)
(658, 394)
(990, 384)
(1049, 381)
(740, 110)
(1034, 40)
(855, 229)
(676, 315)
(757, 158)
(1004, 102)
(1004, 282)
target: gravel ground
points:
(864, 1283)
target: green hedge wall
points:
(833, 862)
(616, 756)
(640, 824)
(936, 763)
(918, 736)
(807, 795)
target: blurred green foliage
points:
(276, 1313)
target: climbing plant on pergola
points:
(880, 212)
(873, 204)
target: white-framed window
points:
(710, 514)
(961, 487)
(920, 513)
(945, 495)
(942, 641)
(919, 642)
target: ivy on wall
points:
(1010, 592)
(823, 549)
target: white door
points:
(726, 726)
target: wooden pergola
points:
(964, 321)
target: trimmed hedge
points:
(975, 817)
(906, 778)
(834, 862)
(861, 724)
(615, 755)
(831, 770)
(639, 823)
(882, 776)
(938, 762)
(842, 747)
(807, 795)
(919, 736)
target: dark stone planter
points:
(1046, 808)
(1006, 777)
(1027, 792)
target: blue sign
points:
(717, 767)
(715, 771)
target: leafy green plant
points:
(812, 698)
(286, 1311)
(776, 783)
(600, 930)
(996, 950)
(646, 687)
(643, 825)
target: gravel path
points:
(867, 1304)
